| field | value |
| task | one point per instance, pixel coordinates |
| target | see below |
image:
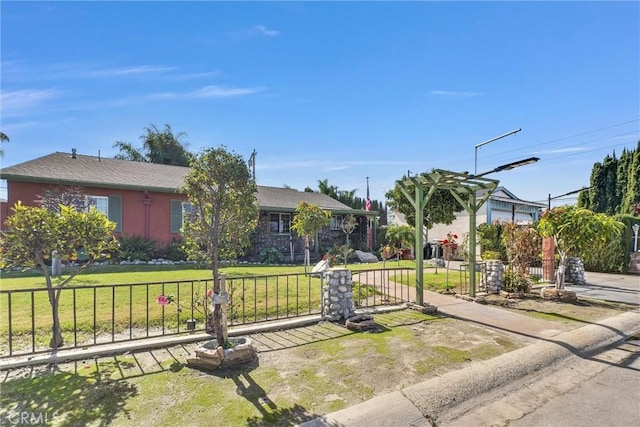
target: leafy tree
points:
(400, 236)
(308, 220)
(34, 233)
(575, 231)
(222, 194)
(3, 138)
(158, 146)
(72, 196)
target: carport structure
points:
(464, 187)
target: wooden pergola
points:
(464, 188)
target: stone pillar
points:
(548, 256)
(337, 294)
(494, 275)
(575, 271)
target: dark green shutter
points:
(115, 211)
(176, 216)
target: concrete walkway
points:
(526, 327)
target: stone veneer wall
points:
(337, 294)
(575, 271)
(494, 269)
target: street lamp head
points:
(517, 164)
(635, 228)
(508, 166)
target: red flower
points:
(209, 293)
(162, 300)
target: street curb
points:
(448, 396)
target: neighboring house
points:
(501, 206)
(143, 199)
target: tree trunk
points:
(54, 299)
(561, 271)
(56, 331)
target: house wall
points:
(146, 214)
(285, 243)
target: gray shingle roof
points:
(91, 171)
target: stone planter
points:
(211, 356)
(558, 294)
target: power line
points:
(569, 146)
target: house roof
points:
(504, 195)
(90, 171)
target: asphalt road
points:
(611, 398)
(609, 287)
(602, 390)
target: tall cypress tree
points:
(610, 169)
(622, 176)
(632, 194)
(597, 200)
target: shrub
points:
(513, 282)
(271, 256)
(135, 247)
(490, 255)
(174, 251)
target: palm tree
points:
(158, 147)
(329, 190)
(3, 138)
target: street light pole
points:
(635, 228)
(475, 167)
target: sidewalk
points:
(526, 327)
(442, 400)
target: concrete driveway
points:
(609, 287)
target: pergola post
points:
(472, 244)
(419, 254)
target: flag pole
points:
(369, 228)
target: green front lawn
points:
(257, 293)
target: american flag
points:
(367, 204)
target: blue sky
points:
(337, 91)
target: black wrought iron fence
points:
(101, 314)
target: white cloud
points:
(562, 150)
(13, 102)
(253, 32)
(211, 91)
(261, 29)
(126, 71)
(455, 94)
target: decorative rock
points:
(320, 267)
(559, 294)
(360, 322)
(426, 308)
(366, 256)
